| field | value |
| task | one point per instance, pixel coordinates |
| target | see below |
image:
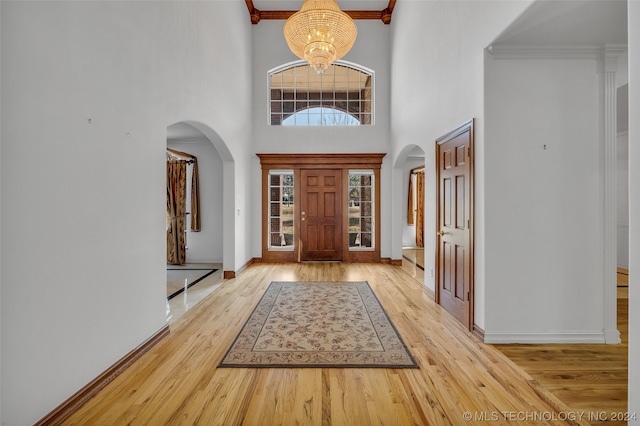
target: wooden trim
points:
(321, 161)
(388, 11)
(229, 275)
(78, 399)
(378, 213)
(278, 255)
(436, 266)
(254, 13)
(346, 256)
(297, 162)
(472, 220)
(392, 262)
(276, 15)
(297, 224)
(478, 332)
(257, 15)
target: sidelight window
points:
(361, 209)
(281, 210)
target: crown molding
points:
(505, 51)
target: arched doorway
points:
(410, 172)
(196, 243)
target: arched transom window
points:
(341, 96)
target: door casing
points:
(298, 162)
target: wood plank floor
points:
(588, 378)
(177, 382)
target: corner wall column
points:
(610, 67)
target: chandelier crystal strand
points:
(320, 33)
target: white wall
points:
(205, 245)
(543, 199)
(83, 239)
(634, 206)
(370, 50)
(622, 166)
(0, 221)
(437, 79)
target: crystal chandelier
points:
(320, 33)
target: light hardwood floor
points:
(413, 263)
(588, 378)
(177, 382)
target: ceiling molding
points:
(545, 52)
(258, 15)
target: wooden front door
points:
(321, 215)
(455, 223)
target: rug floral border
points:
(249, 349)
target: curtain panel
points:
(176, 199)
(173, 155)
(410, 201)
(420, 209)
(195, 198)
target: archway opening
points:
(411, 166)
(195, 215)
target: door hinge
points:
(467, 296)
(468, 151)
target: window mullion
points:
(336, 99)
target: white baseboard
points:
(550, 337)
(612, 337)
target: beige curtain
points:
(195, 198)
(176, 199)
(420, 209)
(195, 186)
(410, 202)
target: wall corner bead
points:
(610, 55)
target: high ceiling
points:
(357, 9)
(572, 24)
(544, 23)
(569, 23)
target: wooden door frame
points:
(297, 162)
(468, 126)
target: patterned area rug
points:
(318, 324)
